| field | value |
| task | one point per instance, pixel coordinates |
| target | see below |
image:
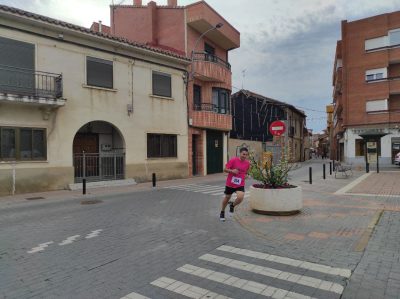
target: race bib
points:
(236, 180)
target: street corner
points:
(339, 224)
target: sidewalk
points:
(104, 191)
(357, 229)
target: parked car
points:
(397, 159)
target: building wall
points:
(385, 158)
(255, 147)
(358, 61)
(132, 84)
(150, 24)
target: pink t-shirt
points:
(237, 180)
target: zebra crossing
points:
(213, 190)
(230, 271)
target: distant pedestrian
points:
(237, 169)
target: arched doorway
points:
(99, 152)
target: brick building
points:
(198, 32)
(366, 84)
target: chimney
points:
(152, 7)
(100, 26)
(172, 3)
(137, 2)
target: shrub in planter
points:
(273, 194)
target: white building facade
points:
(75, 103)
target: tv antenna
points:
(243, 77)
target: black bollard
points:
(154, 179)
(330, 168)
(310, 174)
(323, 171)
(83, 186)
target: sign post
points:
(278, 128)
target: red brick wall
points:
(355, 63)
(150, 24)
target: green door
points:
(215, 149)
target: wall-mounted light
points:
(129, 108)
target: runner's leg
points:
(239, 198)
(225, 201)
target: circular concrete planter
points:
(286, 201)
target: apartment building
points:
(201, 34)
(75, 103)
(366, 93)
(252, 116)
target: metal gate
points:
(99, 167)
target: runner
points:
(237, 168)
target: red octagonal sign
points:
(277, 128)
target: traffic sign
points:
(277, 128)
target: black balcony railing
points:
(27, 82)
(203, 56)
(211, 107)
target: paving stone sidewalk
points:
(336, 230)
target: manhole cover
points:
(34, 198)
(90, 202)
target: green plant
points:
(270, 174)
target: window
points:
(209, 49)
(161, 84)
(197, 97)
(376, 43)
(394, 37)
(161, 146)
(22, 144)
(220, 98)
(376, 74)
(376, 105)
(360, 147)
(17, 61)
(99, 72)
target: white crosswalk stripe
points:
(287, 261)
(135, 296)
(212, 190)
(231, 274)
(266, 271)
(185, 289)
(244, 284)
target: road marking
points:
(266, 271)
(93, 234)
(212, 190)
(350, 186)
(185, 289)
(69, 240)
(41, 247)
(288, 261)
(134, 296)
(247, 285)
(218, 194)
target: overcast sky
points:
(287, 46)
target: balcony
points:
(19, 85)
(208, 67)
(201, 17)
(210, 116)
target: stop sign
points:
(277, 128)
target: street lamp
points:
(217, 26)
